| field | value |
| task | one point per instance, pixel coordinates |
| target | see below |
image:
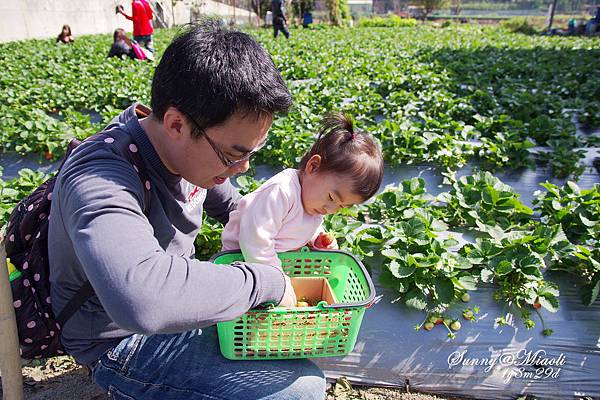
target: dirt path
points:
(61, 378)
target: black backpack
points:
(27, 250)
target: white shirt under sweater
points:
(271, 220)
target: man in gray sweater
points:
(214, 96)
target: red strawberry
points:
(537, 304)
(324, 240)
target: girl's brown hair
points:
(120, 33)
(348, 151)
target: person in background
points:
(141, 16)
(65, 36)
(307, 19)
(279, 20)
(123, 46)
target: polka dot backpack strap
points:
(130, 151)
(27, 252)
(27, 255)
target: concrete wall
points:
(184, 14)
(28, 19)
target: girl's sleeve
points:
(260, 224)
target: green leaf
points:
(444, 289)
(415, 299)
(391, 253)
(587, 222)
(463, 263)
(451, 242)
(438, 226)
(530, 262)
(487, 275)
(401, 270)
(467, 282)
(503, 267)
(556, 205)
(573, 187)
(589, 293)
(549, 302)
(532, 273)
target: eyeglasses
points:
(227, 163)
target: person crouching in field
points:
(124, 47)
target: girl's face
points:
(325, 192)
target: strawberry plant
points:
(13, 190)
(420, 266)
(515, 262)
(481, 199)
(397, 202)
(577, 212)
(427, 96)
(208, 241)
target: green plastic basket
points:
(317, 331)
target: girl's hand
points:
(325, 241)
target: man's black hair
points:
(209, 72)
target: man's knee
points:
(312, 388)
(310, 385)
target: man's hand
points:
(289, 297)
(325, 241)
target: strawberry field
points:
(462, 95)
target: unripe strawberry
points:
(466, 297)
(455, 326)
(468, 314)
(428, 326)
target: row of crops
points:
(445, 97)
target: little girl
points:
(343, 168)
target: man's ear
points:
(174, 123)
(313, 164)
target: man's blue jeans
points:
(190, 366)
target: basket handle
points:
(322, 304)
(376, 300)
